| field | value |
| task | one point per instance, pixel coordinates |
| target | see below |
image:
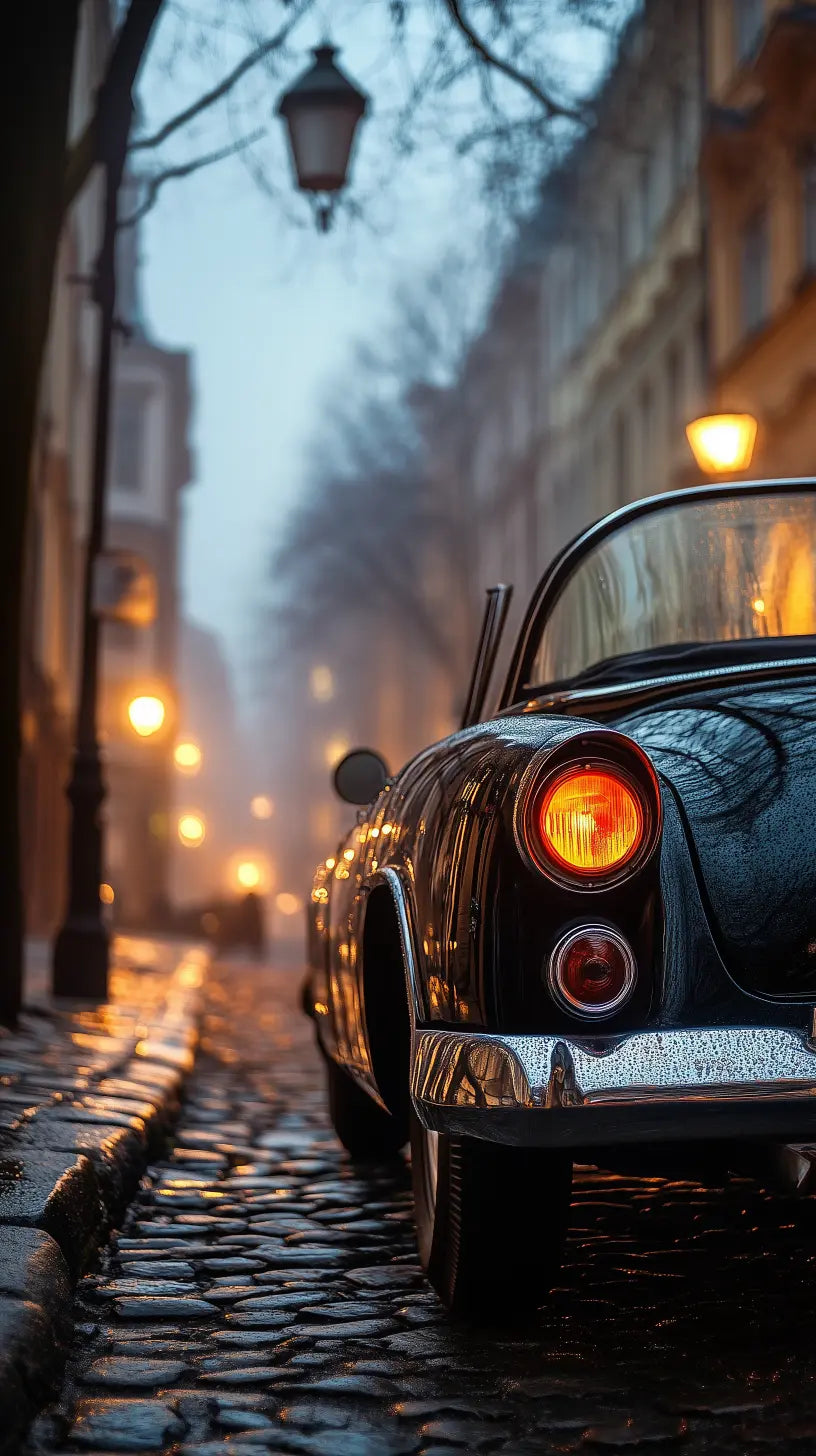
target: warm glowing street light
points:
(187, 756)
(261, 807)
(191, 830)
(248, 874)
(249, 871)
(106, 894)
(335, 749)
(722, 443)
(321, 683)
(288, 904)
(146, 714)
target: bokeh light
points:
(187, 756)
(287, 903)
(336, 748)
(146, 714)
(192, 830)
(248, 874)
(321, 683)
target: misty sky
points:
(269, 310)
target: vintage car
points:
(584, 926)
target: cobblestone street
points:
(265, 1296)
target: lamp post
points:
(321, 110)
(80, 966)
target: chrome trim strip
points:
(391, 877)
(460, 1069)
(611, 696)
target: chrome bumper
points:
(563, 1092)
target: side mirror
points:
(360, 776)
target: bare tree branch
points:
(185, 169)
(506, 68)
(208, 98)
(123, 68)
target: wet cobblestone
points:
(264, 1296)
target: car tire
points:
(365, 1129)
(491, 1221)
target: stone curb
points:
(71, 1160)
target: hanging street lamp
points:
(321, 112)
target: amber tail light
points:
(593, 821)
(590, 820)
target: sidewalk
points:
(88, 1095)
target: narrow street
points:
(264, 1295)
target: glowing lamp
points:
(106, 894)
(590, 821)
(261, 807)
(321, 683)
(191, 830)
(146, 714)
(187, 757)
(335, 749)
(288, 904)
(248, 874)
(722, 443)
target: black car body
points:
(668, 658)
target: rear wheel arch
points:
(387, 1009)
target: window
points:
(809, 210)
(749, 17)
(754, 271)
(129, 425)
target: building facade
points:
(58, 517)
(759, 163)
(594, 355)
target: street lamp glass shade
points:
(321, 111)
(722, 443)
(146, 714)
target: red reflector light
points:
(592, 971)
(591, 820)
